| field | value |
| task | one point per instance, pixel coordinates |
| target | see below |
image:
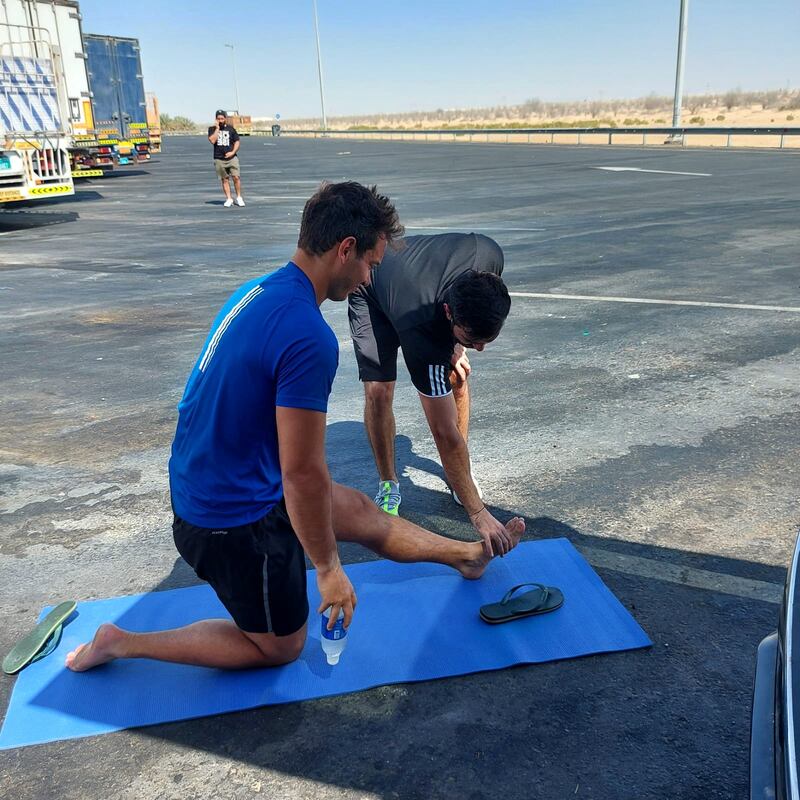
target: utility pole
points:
(319, 70)
(235, 82)
(676, 108)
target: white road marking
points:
(696, 303)
(688, 576)
(464, 227)
(659, 171)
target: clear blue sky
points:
(427, 54)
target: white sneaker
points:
(228, 203)
(239, 201)
(480, 492)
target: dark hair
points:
(479, 303)
(339, 210)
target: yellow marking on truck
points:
(109, 141)
(87, 113)
(10, 194)
(137, 125)
(50, 190)
(140, 140)
(87, 173)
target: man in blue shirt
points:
(251, 491)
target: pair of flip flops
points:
(539, 600)
(41, 641)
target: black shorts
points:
(258, 570)
(376, 342)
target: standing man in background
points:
(226, 145)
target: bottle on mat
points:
(335, 640)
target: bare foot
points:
(105, 647)
(473, 567)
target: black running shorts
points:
(376, 343)
(258, 570)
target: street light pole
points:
(319, 70)
(676, 108)
(235, 82)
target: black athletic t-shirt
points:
(408, 288)
(410, 283)
(225, 141)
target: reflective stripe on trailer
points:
(50, 190)
(88, 173)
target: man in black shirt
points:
(226, 145)
(434, 298)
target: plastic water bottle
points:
(335, 640)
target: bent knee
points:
(289, 651)
(279, 650)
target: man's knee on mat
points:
(278, 650)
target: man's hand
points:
(337, 594)
(496, 539)
(460, 363)
(230, 154)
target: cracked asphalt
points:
(664, 435)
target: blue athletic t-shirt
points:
(269, 346)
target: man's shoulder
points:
(211, 129)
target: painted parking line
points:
(658, 171)
(654, 302)
(687, 576)
(495, 229)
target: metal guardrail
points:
(670, 135)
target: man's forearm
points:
(308, 501)
(455, 460)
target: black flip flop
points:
(539, 600)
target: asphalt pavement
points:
(660, 437)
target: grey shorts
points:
(228, 168)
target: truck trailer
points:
(153, 123)
(34, 161)
(117, 85)
(61, 19)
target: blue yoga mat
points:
(414, 622)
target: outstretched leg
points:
(357, 519)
